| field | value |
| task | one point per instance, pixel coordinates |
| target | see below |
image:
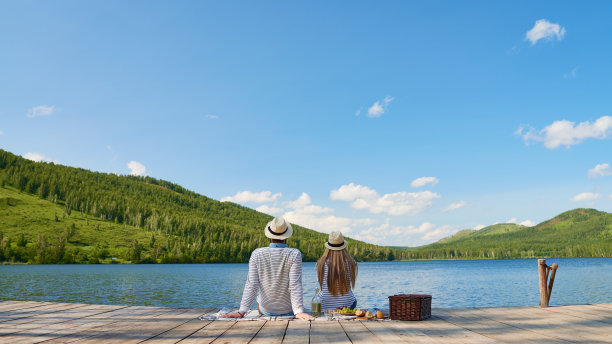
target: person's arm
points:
(251, 286)
(295, 288)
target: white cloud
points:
(39, 158)
(585, 196)
(566, 133)
(109, 147)
(136, 168)
(316, 217)
(454, 206)
(269, 210)
(411, 235)
(41, 110)
(479, 227)
(252, 197)
(211, 116)
(357, 113)
(600, 170)
(351, 192)
(302, 201)
(543, 29)
(527, 223)
(379, 107)
(325, 223)
(1, 133)
(439, 233)
(398, 203)
(420, 182)
(304, 206)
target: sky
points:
(396, 122)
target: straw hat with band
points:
(279, 229)
(336, 241)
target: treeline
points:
(183, 226)
(575, 233)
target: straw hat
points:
(336, 241)
(278, 228)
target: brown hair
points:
(341, 271)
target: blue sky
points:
(396, 122)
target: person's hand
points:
(304, 316)
(233, 315)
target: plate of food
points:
(346, 311)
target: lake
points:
(465, 283)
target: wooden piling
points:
(543, 288)
(553, 271)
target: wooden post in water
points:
(553, 271)
(543, 271)
(543, 289)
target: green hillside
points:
(575, 233)
(57, 214)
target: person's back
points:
(277, 269)
(275, 276)
(337, 273)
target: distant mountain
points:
(57, 214)
(574, 233)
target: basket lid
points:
(410, 296)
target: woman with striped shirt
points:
(337, 273)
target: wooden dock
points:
(46, 322)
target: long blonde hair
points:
(341, 271)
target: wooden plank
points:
(96, 325)
(271, 332)
(478, 322)
(298, 332)
(327, 332)
(410, 331)
(604, 305)
(358, 333)
(385, 334)
(584, 312)
(35, 311)
(71, 330)
(138, 331)
(209, 333)
(180, 332)
(241, 332)
(534, 321)
(15, 305)
(30, 324)
(445, 331)
(572, 326)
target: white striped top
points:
(277, 274)
(329, 301)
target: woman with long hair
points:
(337, 273)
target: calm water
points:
(477, 283)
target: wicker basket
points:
(410, 307)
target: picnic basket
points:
(410, 307)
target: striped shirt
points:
(329, 301)
(277, 274)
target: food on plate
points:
(369, 315)
(359, 312)
(346, 310)
(379, 314)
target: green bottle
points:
(316, 304)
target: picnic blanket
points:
(253, 315)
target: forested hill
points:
(574, 233)
(52, 213)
